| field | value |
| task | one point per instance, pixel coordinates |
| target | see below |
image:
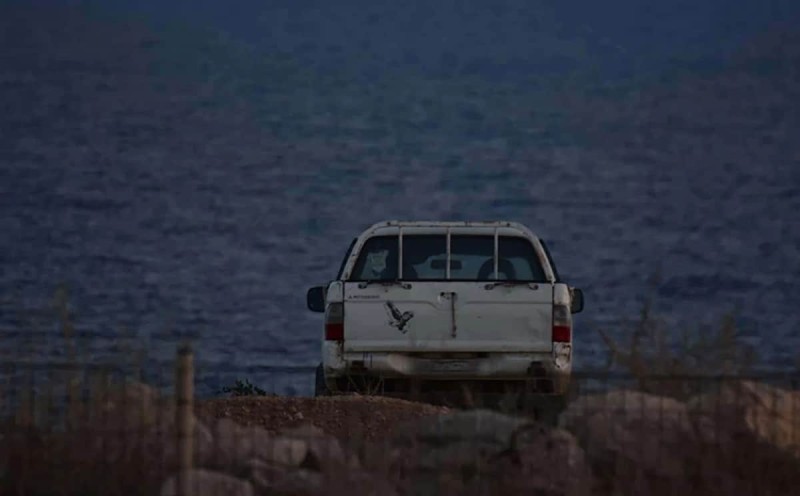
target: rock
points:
(281, 480)
(233, 446)
(305, 431)
(282, 450)
(324, 451)
(480, 425)
(165, 436)
(208, 483)
(546, 461)
(124, 420)
(277, 480)
(295, 482)
(752, 431)
(770, 415)
(640, 443)
(486, 452)
(236, 445)
(156, 442)
(127, 407)
(362, 482)
(463, 439)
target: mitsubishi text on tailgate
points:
(443, 306)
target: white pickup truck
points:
(437, 306)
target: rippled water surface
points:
(170, 212)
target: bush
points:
(663, 361)
(244, 388)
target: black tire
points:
(320, 388)
(549, 408)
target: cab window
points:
(471, 258)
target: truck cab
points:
(445, 305)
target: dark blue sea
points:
(186, 183)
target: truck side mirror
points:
(315, 299)
(577, 300)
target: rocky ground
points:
(742, 439)
(344, 417)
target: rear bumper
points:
(393, 366)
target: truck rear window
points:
(425, 258)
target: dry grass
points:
(86, 431)
(77, 428)
(107, 441)
(657, 357)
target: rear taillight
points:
(334, 322)
(562, 324)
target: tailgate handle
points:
(510, 284)
(451, 295)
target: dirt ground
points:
(346, 417)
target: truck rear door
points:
(454, 290)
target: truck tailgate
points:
(428, 316)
